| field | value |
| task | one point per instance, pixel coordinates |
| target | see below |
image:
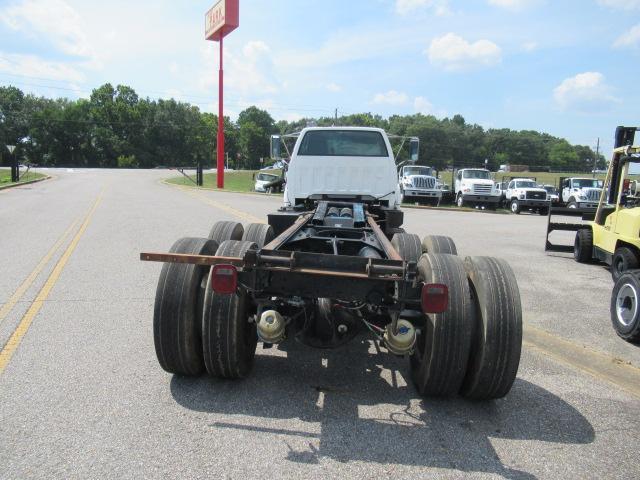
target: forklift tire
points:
(259, 233)
(228, 338)
(515, 206)
(177, 313)
(226, 230)
(583, 245)
(408, 246)
(439, 244)
(497, 339)
(623, 259)
(441, 353)
(625, 306)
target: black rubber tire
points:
(628, 287)
(623, 259)
(258, 233)
(460, 201)
(228, 339)
(543, 211)
(439, 361)
(408, 246)
(497, 339)
(514, 206)
(572, 204)
(583, 246)
(177, 313)
(226, 230)
(439, 244)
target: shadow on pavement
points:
(366, 417)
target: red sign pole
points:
(220, 20)
(221, 119)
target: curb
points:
(19, 184)
(167, 182)
(455, 209)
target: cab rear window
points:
(343, 143)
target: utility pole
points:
(595, 161)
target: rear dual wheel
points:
(196, 328)
(258, 233)
(408, 246)
(473, 348)
(177, 313)
(439, 244)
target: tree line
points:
(114, 127)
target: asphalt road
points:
(82, 395)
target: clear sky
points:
(566, 67)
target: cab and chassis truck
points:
(332, 263)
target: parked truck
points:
(525, 194)
(474, 186)
(334, 262)
(419, 183)
(580, 192)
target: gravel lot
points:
(83, 395)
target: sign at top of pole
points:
(222, 19)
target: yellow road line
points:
(17, 336)
(15, 298)
(221, 206)
(597, 364)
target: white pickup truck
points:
(474, 186)
(525, 194)
(581, 192)
(417, 182)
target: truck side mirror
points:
(275, 147)
(414, 149)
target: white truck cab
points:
(581, 192)
(474, 186)
(525, 194)
(418, 182)
(342, 163)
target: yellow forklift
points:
(613, 236)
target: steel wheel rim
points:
(514, 207)
(626, 304)
(573, 206)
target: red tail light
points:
(435, 297)
(224, 279)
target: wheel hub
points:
(626, 304)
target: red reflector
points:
(435, 297)
(224, 279)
